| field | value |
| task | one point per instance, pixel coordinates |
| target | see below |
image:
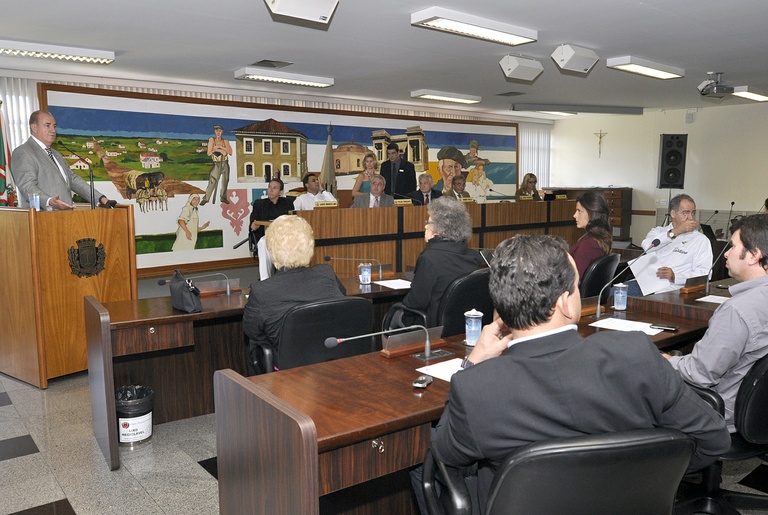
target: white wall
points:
(727, 157)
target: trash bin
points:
(134, 405)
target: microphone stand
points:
(332, 341)
(709, 274)
(711, 217)
(655, 243)
(728, 223)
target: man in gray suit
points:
(377, 197)
(37, 168)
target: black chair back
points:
(751, 409)
(306, 326)
(463, 294)
(633, 472)
(598, 273)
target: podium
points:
(52, 260)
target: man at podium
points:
(37, 168)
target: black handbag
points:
(184, 294)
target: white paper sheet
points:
(443, 370)
(644, 269)
(716, 299)
(618, 324)
(395, 284)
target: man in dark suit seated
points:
(425, 193)
(532, 377)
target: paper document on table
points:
(715, 299)
(443, 370)
(395, 284)
(618, 324)
(644, 269)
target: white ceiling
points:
(375, 55)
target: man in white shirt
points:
(315, 193)
(682, 252)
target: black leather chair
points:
(463, 294)
(749, 440)
(306, 326)
(598, 273)
(633, 472)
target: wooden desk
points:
(148, 342)
(286, 439)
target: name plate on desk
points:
(525, 197)
(326, 203)
(561, 197)
(403, 202)
(467, 199)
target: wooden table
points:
(148, 342)
(290, 442)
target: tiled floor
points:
(50, 463)
(57, 459)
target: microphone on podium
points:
(361, 260)
(415, 201)
(655, 243)
(163, 282)
(332, 341)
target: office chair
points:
(749, 440)
(463, 294)
(598, 273)
(306, 326)
(632, 472)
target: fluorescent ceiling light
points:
(632, 64)
(558, 113)
(456, 22)
(444, 96)
(64, 53)
(744, 92)
(570, 108)
(261, 74)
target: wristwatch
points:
(465, 363)
(671, 234)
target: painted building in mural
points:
(270, 149)
(412, 146)
(348, 158)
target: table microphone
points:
(728, 223)
(163, 282)
(655, 243)
(710, 218)
(332, 341)
(361, 260)
(709, 274)
(90, 170)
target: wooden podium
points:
(52, 260)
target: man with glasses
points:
(682, 251)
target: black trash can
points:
(134, 405)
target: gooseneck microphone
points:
(361, 260)
(711, 217)
(163, 282)
(709, 274)
(416, 201)
(728, 222)
(332, 341)
(655, 243)
(90, 170)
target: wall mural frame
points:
(152, 150)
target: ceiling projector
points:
(714, 88)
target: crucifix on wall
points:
(600, 136)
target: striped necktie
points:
(50, 154)
(376, 202)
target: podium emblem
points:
(87, 259)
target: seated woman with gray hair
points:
(291, 244)
(444, 259)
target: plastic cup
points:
(473, 324)
(365, 273)
(34, 201)
(620, 297)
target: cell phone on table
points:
(664, 327)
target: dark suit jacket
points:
(264, 209)
(418, 196)
(34, 172)
(563, 385)
(270, 299)
(404, 180)
(365, 200)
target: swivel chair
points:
(597, 275)
(463, 294)
(749, 440)
(306, 326)
(632, 472)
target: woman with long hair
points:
(592, 216)
(363, 181)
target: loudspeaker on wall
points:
(672, 161)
